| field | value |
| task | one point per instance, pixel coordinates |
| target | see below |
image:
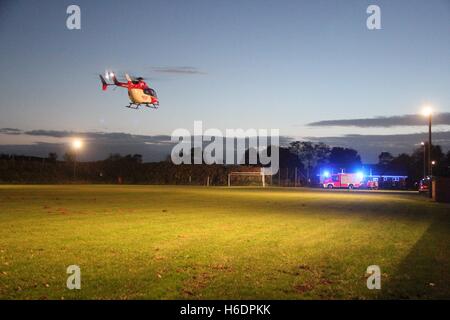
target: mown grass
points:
(166, 242)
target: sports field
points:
(166, 242)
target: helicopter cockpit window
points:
(150, 92)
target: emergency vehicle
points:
(138, 91)
(344, 180)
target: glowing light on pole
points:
(427, 111)
(77, 144)
(432, 164)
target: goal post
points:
(261, 174)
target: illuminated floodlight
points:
(427, 111)
(360, 175)
(326, 174)
(77, 144)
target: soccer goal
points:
(245, 177)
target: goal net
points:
(250, 178)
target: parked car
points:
(424, 184)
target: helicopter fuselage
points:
(138, 96)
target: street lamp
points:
(432, 164)
(428, 112)
(424, 159)
(77, 144)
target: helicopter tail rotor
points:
(104, 84)
(114, 79)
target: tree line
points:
(300, 164)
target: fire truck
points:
(344, 180)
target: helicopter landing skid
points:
(133, 106)
(151, 106)
(136, 106)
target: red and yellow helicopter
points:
(138, 91)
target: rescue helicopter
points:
(138, 91)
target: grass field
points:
(166, 242)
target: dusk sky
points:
(289, 65)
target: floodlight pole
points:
(74, 165)
(430, 192)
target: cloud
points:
(98, 144)
(370, 146)
(178, 70)
(10, 131)
(50, 133)
(101, 136)
(385, 122)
